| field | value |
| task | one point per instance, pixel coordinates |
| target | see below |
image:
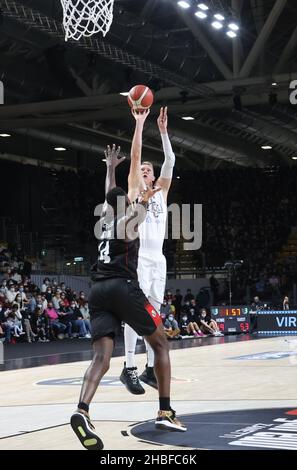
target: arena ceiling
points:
(67, 94)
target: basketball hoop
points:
(86, 17)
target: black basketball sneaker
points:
(85, 431)
(148, 377)
(130, 379)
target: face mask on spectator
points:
(185, 318)
(82, 296)
(72, 305)
(21, 289)
(171, 317)
(12, 289)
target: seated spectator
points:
(11, 294)
(165, 308)
(193, 312)
(31, 303)
(14, 319)
(26, 315)
(189, 328)
(53, 318)
(81, 299)
(83, 325)
(21, 293)
(171, 327)
(66, 317)
(45, 284)
(49, 294)
(207, 325)
(185, 308)
(5, 325)
(40, 325)
(65, 300)
(84, 310)
(41, 302)
(56, 299)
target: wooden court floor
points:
(36, 403)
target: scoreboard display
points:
(231, 319)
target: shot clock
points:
(231, 319)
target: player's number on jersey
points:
(104, 252)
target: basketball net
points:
(86, 17)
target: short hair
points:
(148, 163)
(113, 194)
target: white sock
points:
(149, 350)
(130, 345)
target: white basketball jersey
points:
(153, 228)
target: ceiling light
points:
(5, 135)
(104, 159)
(274, 84)
(231, 34)
(219, 17)
(178, 177)
(202, 6)
(60, 149)
(294, 158)
(124, 93)
(188, 118)
(233, 26)
(201, 15)
(266, 147)
(183, 4)
(216, 25)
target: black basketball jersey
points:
(117, 257)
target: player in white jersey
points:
(151, 261)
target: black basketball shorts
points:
(112, 301)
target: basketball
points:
(140, 97)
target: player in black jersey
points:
(115, 297)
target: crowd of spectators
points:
(31, 313)
(184, 316)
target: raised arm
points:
(112, 161)
(135, 181)
(165, 178)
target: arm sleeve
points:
(168, 165)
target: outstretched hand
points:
(163, 120)
(147, 193)
(140, 115)
(112, 156)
